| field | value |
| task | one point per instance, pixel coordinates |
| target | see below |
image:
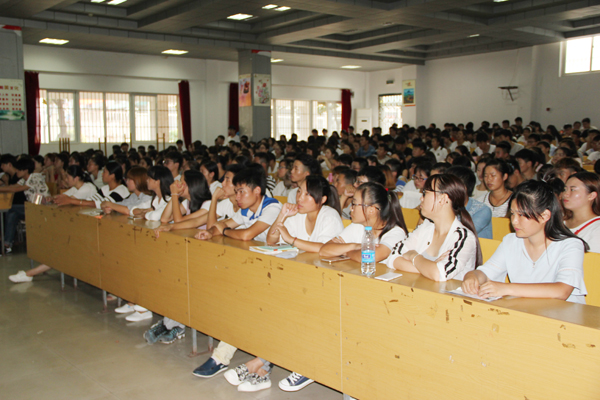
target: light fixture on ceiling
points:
(270, 6)
(350, 66)
(98, 1)
(283, 8)
(499, 1)
(240, 16)
(276, 60)
(175, 52)
(387, 23)
(54, 41)
(474, 35)
(115, 2)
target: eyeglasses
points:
(418, 178)
(352, 205)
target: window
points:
(302, 116)
(111, 116)
(390, 111)
(582, 55)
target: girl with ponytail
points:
(445, 246)
(543, 258)
(374, 206)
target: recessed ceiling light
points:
(240, 17)
(175, 52)
(98, 1)
(275, 60)
(54, 41)
(499, 1)
(351, 66)
(115, 2)
(475, 35)
(270, 6)
(282, 8)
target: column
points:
(255, 94)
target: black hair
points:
(212, 168)
(39, 159)
(500, 166)
(309, 163)
(504, 145)
(528, 155)
(318, 187)
(64, 158)
(388, 205)
(532, 198)
(424, 166)
(420, 145)
(373, 174)
(165, 177)
(349, 176)
(466, 175)
(440, 167)
(241, 160)
(252, 176)
(345, 159)
(175, 156)
(25, 163)
(263, 157)
(114, 168)
(78, 158)
(75, 171)
(198, 189)
(234, 168)
(8, 159)
(461, 161)
(99, 160)
(148, 161)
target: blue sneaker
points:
(172, 335)
(155, 332)
(294, 382)
(209, 369)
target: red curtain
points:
(32, 99)
(346, 108)
(234, 110)
(185, 111)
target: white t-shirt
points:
(591, 234)
(98, 181)
(281, 190)
(292, 196)
(354, 233)
(477, 194)
(516, 147)
(460, 241)
(479, 152)
(117, 195)
(594, 156)
(454, 145)
(265, 213)
(85, 192)
(159, 206)
(328, 225)
(440, 154)
(500, 211)
(224, 208)
(214, 186)
(561, 262)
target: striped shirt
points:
(116, 195)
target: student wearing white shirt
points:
(581, 201)
(137, 184)
(495, 176)
(440, 152)
(160, 180)
(304, 165)
(543, 258)
(174, 162)
(372, 206)
(307, 225)
(284, 171)
(412, 198)
(210, 170)
(445, 246)
(80, 188)
(94, 169)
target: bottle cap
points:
(368, 228)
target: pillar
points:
(255, 117)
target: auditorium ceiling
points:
(373, 35)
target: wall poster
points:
(408, 93)
(12, 100)
(262, 90)
(245, 84)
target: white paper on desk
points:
(388, 276)
(460, 292)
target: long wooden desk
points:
(364, 337)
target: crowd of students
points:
(531, 176)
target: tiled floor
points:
(58, 345)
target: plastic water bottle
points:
(367, 265)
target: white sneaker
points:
(139, 316)
(20, 277)
(139, 308)
(126, 309)
(254, 383)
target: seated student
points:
(174, 161)
(567, 167)
(371, 206)
(479, 212)
(256, 214)
(528, 163)
(262, 159)
(190, 198)
(495, 176)
(284, 172)
(445, 245)
(345, 179)
(367, 174)
(412, 197)
(137, 184)
(581, 201)
(210, 170)
(61, 162)
(304, 165)
(396, 167)
(221, 206)
(160, 180)
(25, 184)
(543, 258)
(307, 225)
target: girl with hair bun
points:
(543, 258)
(581, 201)
(445, 246)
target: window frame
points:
(563, 56)
(331, 107)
